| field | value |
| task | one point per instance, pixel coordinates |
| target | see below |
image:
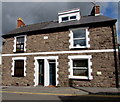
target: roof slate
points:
(55, 24)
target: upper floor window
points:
(69, 18)
(65, 18)
(79, 38)
(69, 15)
(72, 17)
(19, 44)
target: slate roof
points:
(86, 20)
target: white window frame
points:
(71, 58)
(69, 14)
(71, 41)
(13, 64)
(15, 41)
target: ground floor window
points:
(18, 68)
(80, 67)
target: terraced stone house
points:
(74, 51)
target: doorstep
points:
(51, 86)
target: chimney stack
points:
(95, 11)
(20, 23)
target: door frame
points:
(46, 69)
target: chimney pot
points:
(95, 11)
(20, 23)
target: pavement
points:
(62, 91)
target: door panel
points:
(41, 71)
(52, 72)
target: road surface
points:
(28, 97)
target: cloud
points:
(36, 12)
(110, 9)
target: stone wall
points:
(100, 38)
(103, 62)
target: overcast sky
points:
(36, 12)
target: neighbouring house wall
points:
(0, 70)
(100, 38)
(119, 64)
(0, 59)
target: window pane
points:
(20, 40)
(79, 33)
(80, 63)
(65, 19)
(19, 68)
(20, 44)
(80, 42)
(79, 72)
(73, 17)
(19, 47)
(19, 72)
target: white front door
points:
(46, 71)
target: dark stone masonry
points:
(100, 38)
